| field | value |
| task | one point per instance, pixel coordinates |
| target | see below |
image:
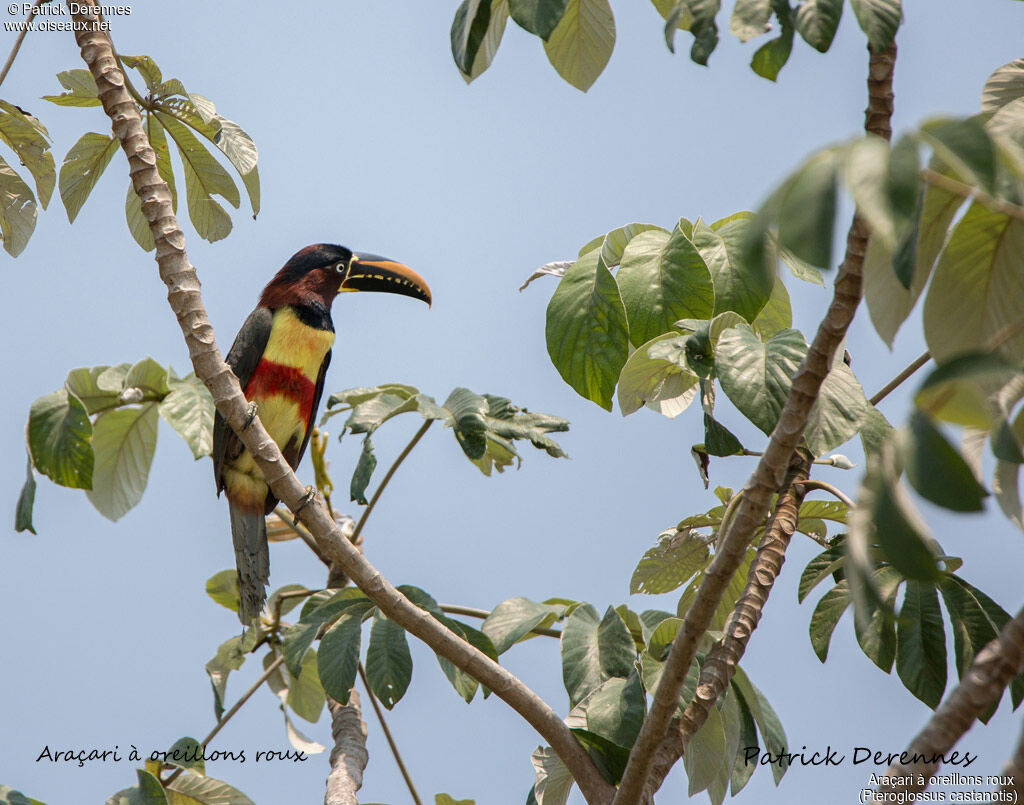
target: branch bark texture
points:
(349, 756)
(768, 477)
(993, 668)
(184, 297)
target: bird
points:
(280, 357)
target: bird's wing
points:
(243, 357)
(318, 392)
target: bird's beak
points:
(371, 272)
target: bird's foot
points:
(308, 498)
(250, 415)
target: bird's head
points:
(319, 273)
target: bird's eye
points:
(340, 267)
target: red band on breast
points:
(274, 379)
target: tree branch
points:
(21, 38)
(349, 756)
(897, 381)
(993, 668)
(769, 474)
(185, 300)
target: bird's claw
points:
(307, 498)
(250, 415)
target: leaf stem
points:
(893, 384)
(234, 709)
(387, 477)
(21, 38)
(387, 734)
(835, 491)
(971, 193)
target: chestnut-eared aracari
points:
(280, 357)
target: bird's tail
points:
(252, 558)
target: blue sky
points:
(369, 137)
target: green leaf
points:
(765, 718)
(826, 616)
(552, 779)
(777, 314)
(149, 377)
(229, 657)
(186, 753)
(147, 69)
(206, 790)
(388, 662)
(594, 650)
(733, 590)
(805, 207)
(138, 226)
(60, 439)
(465, 685)
(817, 21)
(738, 286)
(615, 710)
(365, 466)
(123, 442)
(977, 292)
(338, 657)
(706, 753)
(614, 243)
(468, 411)
(587, 334)
(204, 178)
(671, 563)
(581, 44)
(513, 620)
(965, 148)
(697, 17)
(1005, 85)
(26, 500)
(222, 587)
(82, 168)
(936, 469)
(663, 278)
(958, 391)
(447, 799)
(491, 40)
(539, 17)
(17, 211)
(305, 694)
(772, 56)
(659, 383)
(750, 18)
(188, 408)
(825, 564)
(873, 622)
(884, 515)
(29, 139)
(921, 643)
(468, 31)
(741, 770)
(879, 19)
(80, 86)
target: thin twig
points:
(234, 709)
(835, 491)
(302, 533)
(473, 612)
(893, 384)
(972, 193)
(387, 477)
(391, 741)
(21, 38)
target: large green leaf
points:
(587, 334)
(488, 44)
(1006, 84)
(873, 622)
(222, 587)
(772, 56)
(936, 469)
(552, 779)
(660, 382)
(80, 86)
(60, 439)
(817, 21)
(663, 278)
(338, 657)
(581, 44)
(977, 292)
(205, 790)
(29, 139)
(765, 718)
(388, 662)
(826, 616)
(17, 210)
(697, 17)
(921, 643)
(468, 31)
(671, 563)
(464, 683)
(738, 286)
(513, 620)
(539, 17)
(123, 441)
(615, 711)
(964, 147)
(706, 753)
(879, 19)
(188, 408)
(749, 18)
(594, 649)
(82, 168)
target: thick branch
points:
(349, 756)
(993, 668)
(769, 475)
(186, 302)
